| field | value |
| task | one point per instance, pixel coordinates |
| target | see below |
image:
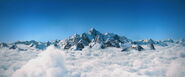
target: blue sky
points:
(57, 19)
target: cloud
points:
(49, 63)
(166, 61)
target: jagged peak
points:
(75, 35)
(93, 31)
(107, 33)
(148, 40)
(183, 39)
(168, 40)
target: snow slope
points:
(168, 61)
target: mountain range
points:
(93, 39)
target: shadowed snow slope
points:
(166, 61)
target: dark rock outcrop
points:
(151, 46)
(3, 45)
(13, 46)
(138, 47)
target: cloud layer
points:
(49, 63)
(166, 61)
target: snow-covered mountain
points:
(92, 39)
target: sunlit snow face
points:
(110, 62)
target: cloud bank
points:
(166, 61)
(49, 63)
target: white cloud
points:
(49, 63)
(110, 62)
